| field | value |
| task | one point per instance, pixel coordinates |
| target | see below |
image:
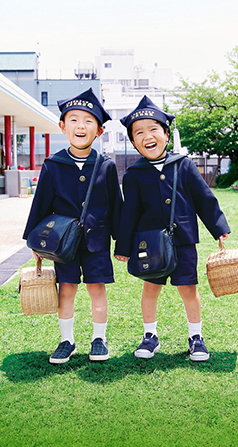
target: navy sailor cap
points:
(86, 101)
(147, 109)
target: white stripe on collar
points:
(79, 161)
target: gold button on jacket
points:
(162, 177)
(168, 201)
(82, 178)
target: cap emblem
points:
(142, 113)
(79, 102)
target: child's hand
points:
(224, 236)
(36, 256)
(121, 258)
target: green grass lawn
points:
(166, 401)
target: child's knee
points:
(189, 291)
(68, 289)
(151, 287)
(96, 288)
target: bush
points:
(226, 180)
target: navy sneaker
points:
(99, 350)
(63, 353)
(197, 349)
(149, 346)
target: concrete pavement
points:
(13, 250)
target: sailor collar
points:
(144, 162)
(63, 157)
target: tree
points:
(20, 140)
(208, 115)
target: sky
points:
(191, 37)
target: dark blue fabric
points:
(147, 207)
(146, 109)
(95, 267)
(56, 237)
(153, 255)
(62, 189)
(86, 101)
(185, 273)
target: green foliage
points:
(167, 401)
(226, 180)
(208, 116)
(20, 140)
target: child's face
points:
(149, 138)
(81, 128)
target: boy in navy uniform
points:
(147, 188)
(61, 189)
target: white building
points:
(123, 85)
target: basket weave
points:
(38, 290)
(222, 271)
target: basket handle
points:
(221, 246)
(38, 267)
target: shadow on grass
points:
(32, 366)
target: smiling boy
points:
(80, 128)
(147, 188)
(61, 189)
(150, 138)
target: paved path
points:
(13, 250)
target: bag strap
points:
(90, 187)
(171, 228)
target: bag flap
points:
(148, 251)
(49, 232)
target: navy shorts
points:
(185, 273)
(95, 268)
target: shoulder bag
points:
(154, 254)
(57, 237)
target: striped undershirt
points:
(158, 164)
(79, 161)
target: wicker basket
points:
(222, 271)
(38, 290)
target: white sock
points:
(99, 330)
(150, 327)
(194, 329)
(66, 329)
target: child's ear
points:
(100, 131)
(62, 126)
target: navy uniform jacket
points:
(146, 207)
(62, 189)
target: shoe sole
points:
(199, 357)
(144, 354)
(98, 358)
(60, 361)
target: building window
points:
(44, 98)
(106, 137)
(143, 83)
(108, 65)
(120, 137)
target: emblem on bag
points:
(43, 244)
(145, 266)
(142, 245)
(50, 224)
